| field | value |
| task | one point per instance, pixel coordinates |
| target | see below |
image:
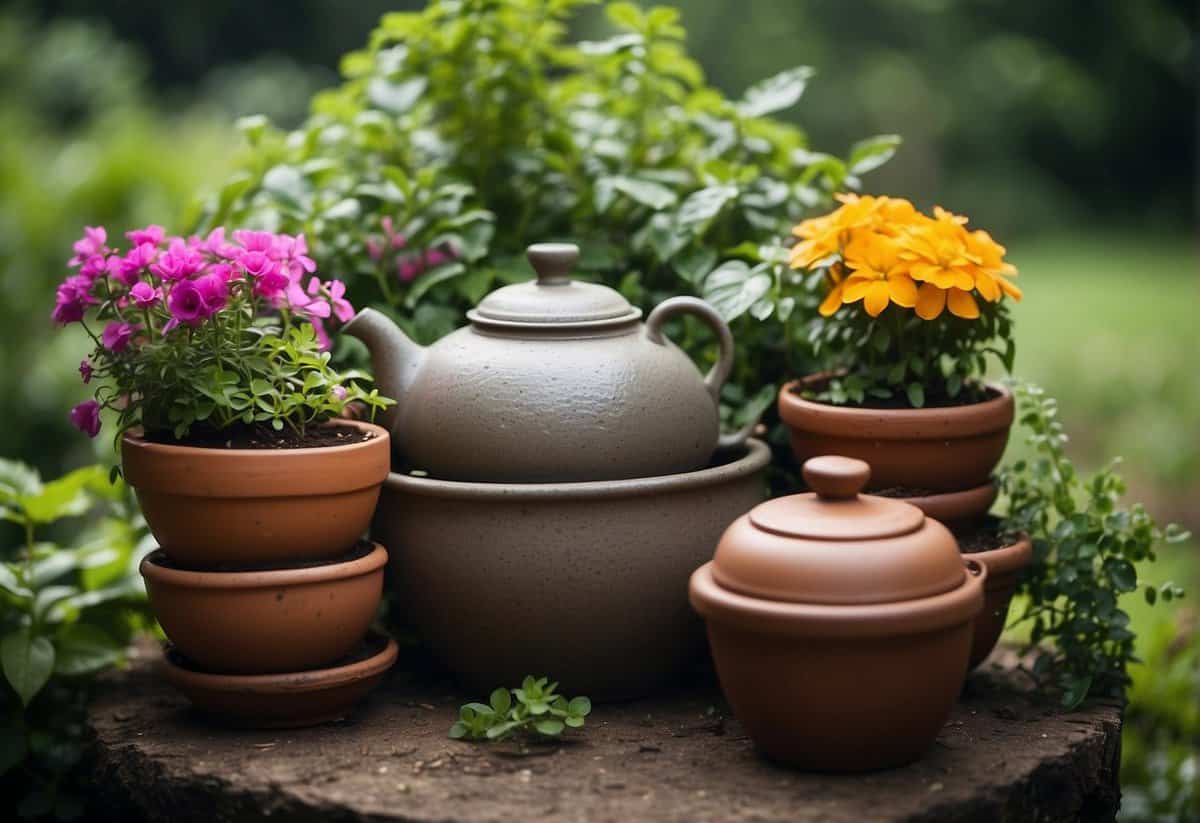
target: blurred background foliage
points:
(1069, 129)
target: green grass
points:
(1111, 327)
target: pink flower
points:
(186, 304)
(72, 299)
(86, 370)
(135, 262)
(334, 291)
(144, 295)
(215, 245)
(94, 266)
(116, 336)
(152, 234)
(293, 254)
(86, 417)
(339, 392)
(178, 262)
(374, 250)
(408, 267)
(304, 305)
(262, 241)
(269, 279)
(92, 242)
(214, 290)
(323, 340)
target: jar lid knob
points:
(553, 262)
(836, 478)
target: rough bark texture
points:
(1004, 756)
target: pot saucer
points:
(282, 701)
(956, 510)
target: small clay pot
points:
(212, 507)
(265, 622)
(1005, 566)
(942, 449)
(583, 582)
(840, 625)
(280, 701)
(958, 511)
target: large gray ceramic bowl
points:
(583, 582)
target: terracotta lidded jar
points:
(554, 380)
(840, 624)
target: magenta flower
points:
(408, 267)
(322, 336)
(92, 243)
(214, 290)
(116, 336)
(144, 295)
(86, 370)
(86, 417)
(304, 305)
(215, 245)
(94, 266)
(293, 254)
(339, 392)
(72, 299)
(178, 262)
(270, 280)
(374, 250)
(152, 234)
(262, 241)
(335, 291)
(186, 304)
(136, 261)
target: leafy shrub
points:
(471, 129)
(66, 613)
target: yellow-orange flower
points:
(831, 233)
(992, 270)
(833, 300)
(932, 300)
(935, 251)
(878, 277)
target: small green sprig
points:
(534, 707)
(1086, 550)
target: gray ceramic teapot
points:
(555, 380)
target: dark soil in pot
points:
(264, 437)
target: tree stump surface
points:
(1005, 754)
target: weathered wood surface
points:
(1004, 755)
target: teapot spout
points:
(395, 359)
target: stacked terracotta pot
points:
(262, 583)
(938, 459)
(571, 476)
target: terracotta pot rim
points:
(242, 471)
(1005, 560)
(369, 563)
(756, 458)
(941, 422)
(312, 680)
(958, 499)
(904, 617)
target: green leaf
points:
(11, 584)
(458, 730)
(650, 194)
(83, 649)
(27, 660)
(551, 726)
(432, 278)
(68, 496)
(694, 263)
(287, 186)
(396, 98)
(703, 205)
(775, 93)
(501, 701)
(626, 15)
(916, 395)
(869, 154)
(580, 706)
(734, 287)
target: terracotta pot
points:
(263, 622)
(840, 624)
(583, 582)
(940, 449)
(278, 701)
(211, 508)
(958, 511)
(554, 380)
(1005, 567)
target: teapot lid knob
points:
(836, 478)
(553, 262)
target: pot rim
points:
(924, 614)
(195, 471)
(1006, 560)
(311, 680)
(755, 459)
(372, 562)
(935, 423)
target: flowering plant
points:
(912, 304)
(205, 336)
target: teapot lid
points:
(553, 300)
(836, 546)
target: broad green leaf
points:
(396, 98)
(580, 706)
(694, 263)
(501, 701)
(83, 649)
(867, 155)
(287, 186)
(10, 583)
(550, 726)
(916, 395)
(703, 205)
(17, 481)
(27, 661)
(627, 15)
(68, 496)
(734, 287)
(650, 194)
(775, 93)
(430, 279)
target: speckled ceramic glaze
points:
(265, 622)
(584, 582)
(942, 449)
(840, 624)
(555, 380)
(283, 701)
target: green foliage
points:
(435, 146)
(1086, 551)
(534, 707)
(66, 613)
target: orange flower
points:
(833, 300)
(932, 300)
(878, 277)
(990, 274)
(935, 251)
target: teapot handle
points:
(670, 308)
